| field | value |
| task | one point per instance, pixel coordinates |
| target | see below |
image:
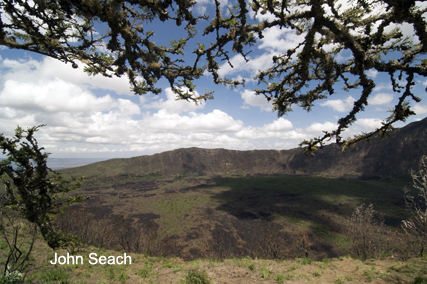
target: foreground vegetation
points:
(255, 229)
(146, 269)
(301, 221)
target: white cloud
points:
(380, 99)
(172, 105)
(202, 5)
(240, 66)
(49, 68)
(372, 73)
(280, 124)
(128, 107)
(419, 109)
(52, 96)
(275, 42)
(237, 62)
(251, 99)
(280, 40)
(369, 123)
(215, 121)
(97, 139)
(82, 122)
(319, 127)
(384, 86)
(343, 56)
(261, 133)
(279, 129)
(340, 105)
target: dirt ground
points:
(248, 271)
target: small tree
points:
(19, 236)
(366, 229)
(416, 226)
(31, 188)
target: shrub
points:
(416, 226)
(18, 237)
(366, 229)
(14, 277)
(419, 280)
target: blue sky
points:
(92, 116)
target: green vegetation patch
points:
(195, 276)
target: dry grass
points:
(145, 269)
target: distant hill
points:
(63, 163)
(389, 158)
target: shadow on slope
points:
(219, 217)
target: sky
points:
(98, 117)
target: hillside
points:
(388, 158)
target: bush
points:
(366, 229)
(14, 277)
(416, 226)
(420, 280)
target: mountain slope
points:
(386, 159)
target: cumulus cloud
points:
(202, 5)
(319, 127)
(97, 139)
(280, 124)
(380, 99)
(83, 122)
(52, 95)
(340, 105)
(49, 68)
(419, 109)
(383, 86)
(250, 99)
(372, 73)
(215, 121)
(280, 39)
(275, 42)
(279, 129)
(369, 123)
(264, 61)
(172, 105)
(259, 133)
(128, 107)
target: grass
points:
(245, 262)
(294, 267)
(53, 275)
(280, 278)
(195, 276)
(146, 269)
(265, 272)
(169, 264)
(304, 260)
(339, 280)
